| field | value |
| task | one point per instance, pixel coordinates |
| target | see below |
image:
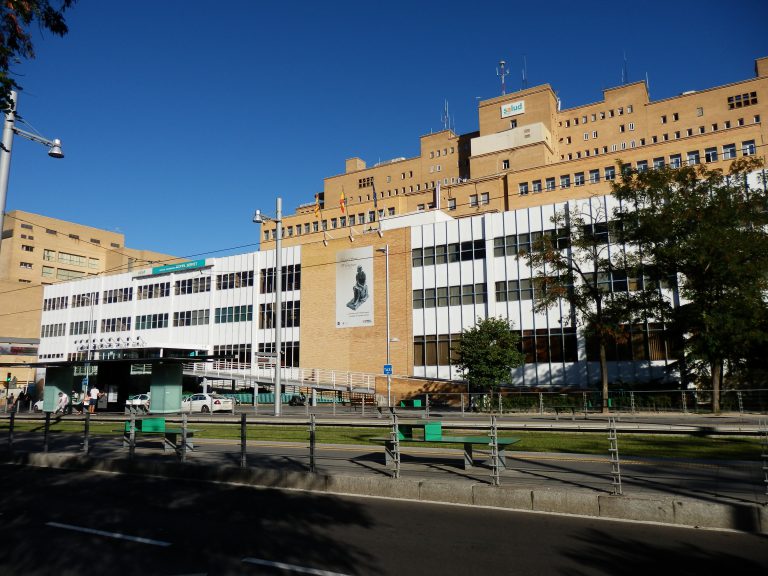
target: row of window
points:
(234, 280)
(229, 314)
(84, 327)
(193, 285)
(71, 259)
(291, 279)
(692, 157)
(82, 300)
(61, 273)
(152, 321)
(57, 303)
(514, 244)
(466, 295)
(560, 345)
(52, 330)
(666, 137)
(192, 318)
(238, 352)
(597, 116)
(444, 253)
(160, 290)
(291, 316)
(289, 352)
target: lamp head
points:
(55, 151)
(257, 217)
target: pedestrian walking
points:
(95, 393)
(61, 405)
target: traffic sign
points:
(388, 369)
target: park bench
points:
(431, 431)
(157, 427)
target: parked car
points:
(37, 406)
(138, 402)
(204, 402)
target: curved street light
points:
(9, 129)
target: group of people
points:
(89, 402)
(22, 401)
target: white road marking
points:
(116, 535)
(292, 567)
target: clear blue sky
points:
(180, 117)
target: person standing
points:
(86, 402)
(94, 399)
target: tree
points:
(16, 18)
(574, 263)
(709, 231)
(488, 352)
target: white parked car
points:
(207, 403)
(38, 406)
(138, 402)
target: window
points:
(631, 125)
(473, 200)
(594, 176)
(663, 119)
(26, 265)
(47, 271)
(27, 226)
(621, 127)
(629, 109)
(658, 163)
(642, 165)
(568, 140)
(27, 248)
(505, 164)
(729, 151)
(365, 182)
(748, 148)
(148, 291)
(565, 181)
(550, 183)
(594, 134)
(536, 186)
(675, 117)
(484, 198)
(689, 132)
(151, 321)
(586, 135)
(451, 203)
(117, 295)
(756, 119)
(578, 179)
(523, 188)
(710, 154)
(677, 134)
(675, 161)
(741, 100)
(610, 172)
(693, 158)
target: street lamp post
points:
(9, 129)
(259, 218)
(385, 250)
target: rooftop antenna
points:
(502, 73)
(647, 83)
(446, 117)
(624, 70)
(525, 72)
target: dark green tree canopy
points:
(488, 352)
(16, 19)
(708, 230)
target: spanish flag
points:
(343, 202)
(317, 205)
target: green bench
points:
(157, 427)
(432, 431)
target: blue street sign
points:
(388, 369)
(85, 380)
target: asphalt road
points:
(64, 522)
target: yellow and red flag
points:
(343, 202)
(317, 205)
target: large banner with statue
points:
(354, 287)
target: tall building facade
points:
(38, 251)
(451, 222)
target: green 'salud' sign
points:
(178, 267)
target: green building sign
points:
(178, 267)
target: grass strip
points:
(642, 445)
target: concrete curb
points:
(751, 518)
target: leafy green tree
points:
(16, 18)
(581, 264)
(709, 231)
(488, 352)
